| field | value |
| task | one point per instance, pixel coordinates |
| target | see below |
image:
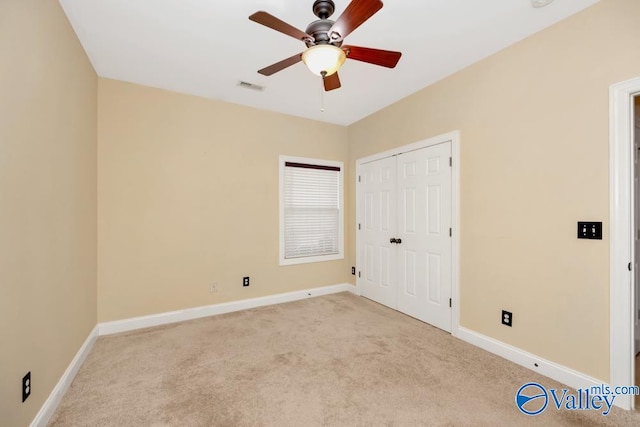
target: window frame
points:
(317, 258)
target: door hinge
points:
(359, 178)
(450, 161)
(629, 266)
(449, 302)
(359, 275)
(359, 226)
(450, 232)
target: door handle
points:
(392, 240)
(398, 241)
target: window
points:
(311, 213)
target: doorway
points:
(407, 230)
(623, 235)
(636, 241)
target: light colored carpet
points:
(331, 360)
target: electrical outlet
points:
(245, 281)
(26, 386)
(507, 318)
(213, 288)
(353, 271)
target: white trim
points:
(454, 138)
(457, 229)
(520, 357)
(305, 260)
(354, 290)
(117, 326)
(51, 404)
(621, 231)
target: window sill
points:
(311, 259)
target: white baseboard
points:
(354, 290)
(51, 404)
(540, 365)
(117, 326)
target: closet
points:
(404, 226)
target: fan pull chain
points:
(322, 95)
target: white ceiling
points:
(205, 47)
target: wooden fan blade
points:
(353, 16)
(274, 23)
(384, 58)
(279, 66)
(331, 82)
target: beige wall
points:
(48, 98)
(534, 146)
(187, 191)
(188, 196)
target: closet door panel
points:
(378, 254)
(424, 220)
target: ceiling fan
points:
(325, 53)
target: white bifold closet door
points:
(407, 199)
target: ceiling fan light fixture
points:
(324, 58)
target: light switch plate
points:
(590, 230)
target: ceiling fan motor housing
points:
(319, 30)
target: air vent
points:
(248, 85)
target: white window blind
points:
(311, 210)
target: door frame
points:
(454, 138)
(621, 202)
